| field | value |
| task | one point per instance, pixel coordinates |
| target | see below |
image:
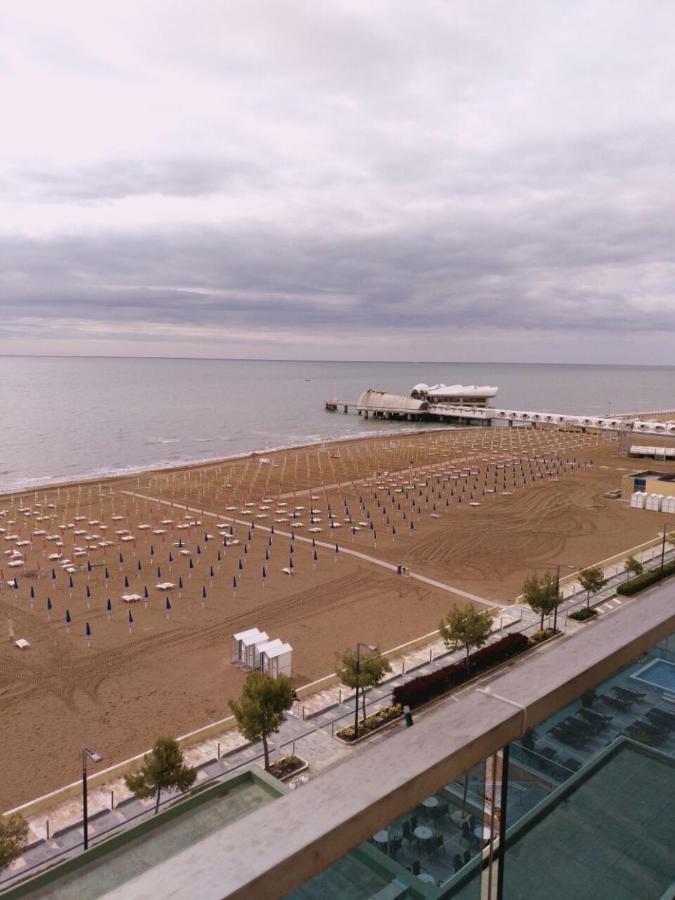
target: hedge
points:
(640, 582)
(425, 687)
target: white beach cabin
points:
(245, 647)
(275, 657)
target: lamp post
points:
(559, 566)
(87, 752)
(663, 546)
(370, 647)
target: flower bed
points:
(640, 582)
(419, 690)
(372, 723)
(285, 768)
(543, 634)
(583, 615)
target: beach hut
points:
(244, 644)
(275, 657)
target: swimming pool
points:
(658, 673)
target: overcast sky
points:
(343, 180)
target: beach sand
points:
(172, 674)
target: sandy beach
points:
(475, 509)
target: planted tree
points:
(542, 594)
(465, 628)
(361, 671)
(592, 580)
(261, 709)
(163, 767)
(633, 566)
(13, 837)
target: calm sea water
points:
(65, 418)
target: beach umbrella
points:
(290, 549)
(87, 633)
(264, 575)
(219, 556)
(206, 537)
(313, 542)
(191, 566)
(167, 607)
(130, 620)
(180, 542)
(70, 582)
(108, 608)
(180, 582)
(337, 549)
(245, 550)
(69, 619)
(271, 530)
(211, 574)
(203, 595)
(267, 556)
(159, 572)
(170, 558)
(126, 582)
(139, 567)
(316, 558)
(234, 585)
(53, 574)
(199, 550)
(88, 566)
(290, 562)
(145, 592)
(32, 593)
(121, 560)
(107, 576)
(152, 550)
(241, 566)
(49, 609)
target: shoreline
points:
(120, 475)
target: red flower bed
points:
(418, 690)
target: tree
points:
(163, 767)
(465, 628)
(261, 709)
(592, 580)
(541, 594)
(362, 671)
(13, 837)
(633, 566)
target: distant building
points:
(649, 482)
(455, 394)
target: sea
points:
(66, 418)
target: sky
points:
(451, 181)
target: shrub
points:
(581, 615)
(425, 687)
(640, 582)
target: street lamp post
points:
(370, 647)
(559, 566)
(663, 547)
(87, 752)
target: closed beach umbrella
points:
(152, 550)
(241, 566)
(159, 572)
(145, 592)
(219, 557)
(107, 576)
(32, 593)
(199, 550)
(170, 558)
(87, 633)
(234, 585)
(88, 565)
(139, 567)
(108, 607)
(130, 619)
(70, 582)
(211, 574)
(126, 582)
(245, 550)
(267, 555)
(167, 607)
(49, 609)
(264, 575)
(180, 582)
(53, 574)
(203, 596)
(121, 560)
(69, 619)
(191, 565)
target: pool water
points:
(659, 673)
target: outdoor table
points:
(422, 833)
(430, 802)
(482, 832)
(381, 837)
(459, 817)
(426, 878)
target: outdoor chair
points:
(416, 867)
(395, 846)
(408, 833)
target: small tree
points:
(633, 566)
(592, 580)
(366, 671)
(542, 594)
(261, 709)
(13, 837)
(163, 767)
(465, 628)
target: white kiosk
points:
(245, 647)
(275, 657)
